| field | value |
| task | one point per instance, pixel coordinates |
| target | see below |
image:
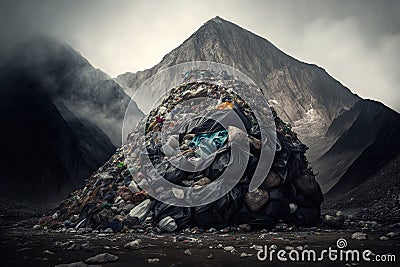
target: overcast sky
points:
(357, 42)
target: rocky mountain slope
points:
(377, 197)
(365, 138)
(61, 118)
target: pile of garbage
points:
(114, 198)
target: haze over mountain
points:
(70, 78)
(328, 117)
(62, 118)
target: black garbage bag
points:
(219, 213)
(86, 215)
(308, 191)
(277, 208)
(169, 172)
(245, 119)
(297, 162)
(116, 225)
(221, 161)
(256, 220)
(109, 196)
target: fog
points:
(357, 42)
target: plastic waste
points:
(140, 211)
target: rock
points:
(57, 244)
(153, 260)
(244, 227)
(333, 221)
(168, 224)
(102, 258)
(187, 252)
(383, 238)
(339, 213)
(140, 211)
(24, 249)
(245, 255)
(135, 244)
(48, 252)
(272, 180)
(74, 247)
(392, 234)
(73, 264)
(225, 230)
(36, 227)
(210, 256)
(359, 236)
(256, 199)
(281, 226)
(86, 246)
(229, 248)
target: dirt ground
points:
(28, 247)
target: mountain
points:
(350, 139)
(68, 78)
(303, 92)
(61, 118)
(365, 138)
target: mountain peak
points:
(218, 22)
(218, 19)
